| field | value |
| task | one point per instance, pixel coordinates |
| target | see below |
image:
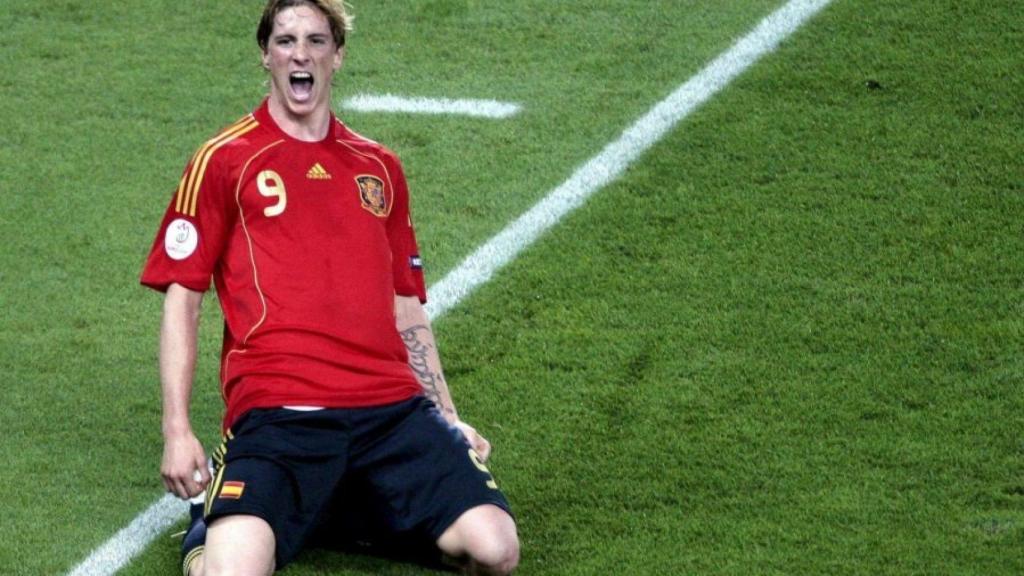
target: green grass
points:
(788, 341)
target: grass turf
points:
(788, 341)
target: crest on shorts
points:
(372, 195)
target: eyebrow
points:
(291, 36)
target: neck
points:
(311, 127)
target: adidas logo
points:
(317, 172)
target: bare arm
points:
(414, 326)
(425, 362)
(183, 453)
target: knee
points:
(485, 540)
(495, 555)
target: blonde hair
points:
(338, 15)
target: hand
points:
(183, 459)
(477, 442)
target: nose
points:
(301, 52)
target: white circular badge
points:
(181, 239)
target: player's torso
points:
(310, 242)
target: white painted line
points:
(503, 248)
(392, 103)
(602, 169)
(133, 538)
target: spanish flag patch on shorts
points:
(232, 490)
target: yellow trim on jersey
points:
(184, 177)
(194, 194)
(252, 262)
(195, 178)
(181, 204)
(248, 239)
(188, 188)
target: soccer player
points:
(329, 370)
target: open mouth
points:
(302, 84)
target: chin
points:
(301, 108)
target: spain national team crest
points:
(372, 195)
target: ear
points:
(265, 58)
(339, 58)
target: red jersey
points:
(307, 244)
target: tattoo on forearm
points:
(418, 361)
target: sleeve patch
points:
(181, 239)
(415, 262)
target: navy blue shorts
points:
(330, 477)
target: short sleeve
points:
(406, 260)
(191, 236)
